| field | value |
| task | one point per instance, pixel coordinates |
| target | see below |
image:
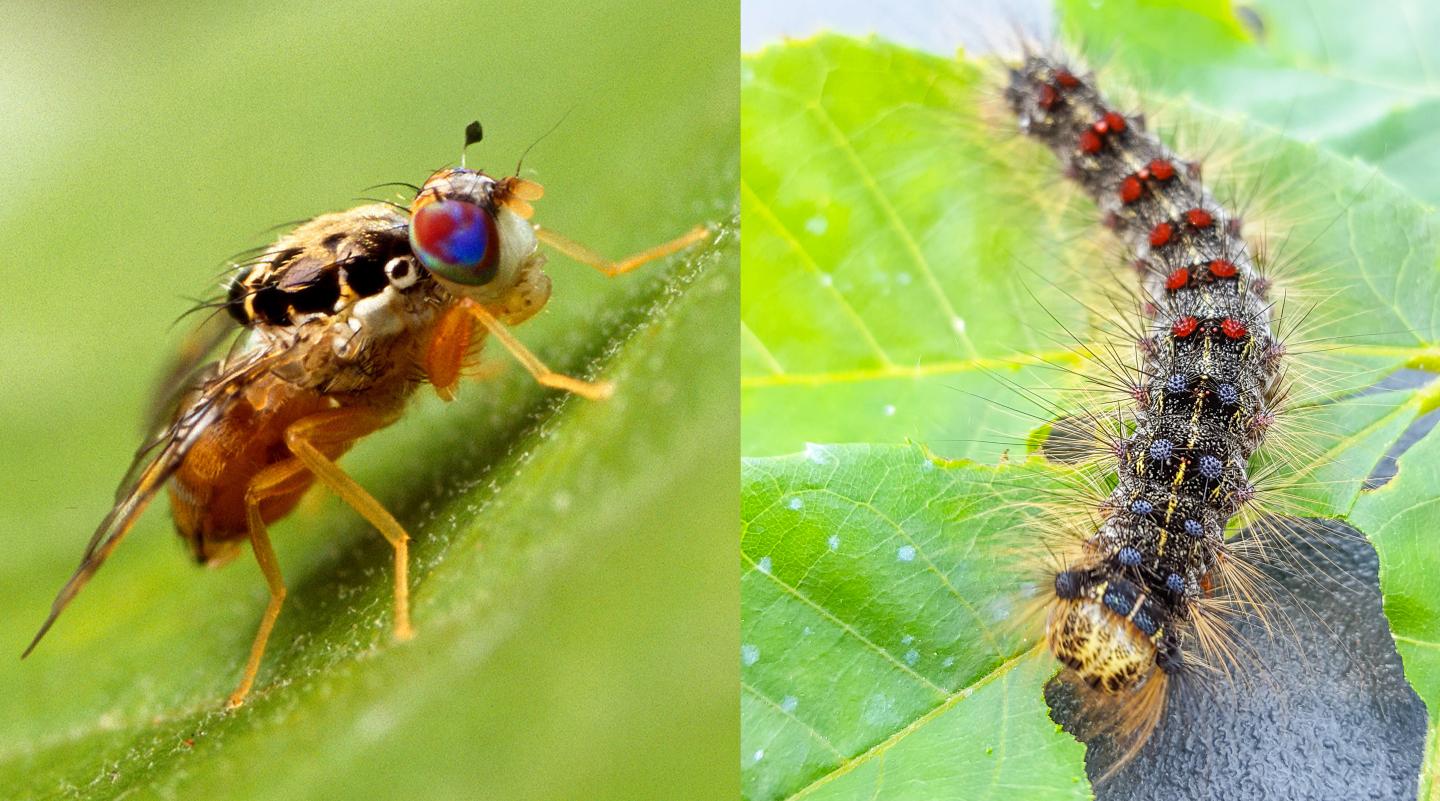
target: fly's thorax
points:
(324, 267)
(344, 297)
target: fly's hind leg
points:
(277, 479)
(307, 439)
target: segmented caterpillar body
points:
(1140, 592)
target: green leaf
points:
(876, 652)
(884, 196)
(572, 577)
(881, 269)
(1401, 519)
(1359, 80)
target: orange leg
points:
(342, 426)
(597, 390)
(336, 427)
(273, 480)
(586, 256)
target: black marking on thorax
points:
(305, 274)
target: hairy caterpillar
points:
(1146, 586)
(922, 173)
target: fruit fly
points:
(346, 317)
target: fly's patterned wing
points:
(156, 461)
(188, 368)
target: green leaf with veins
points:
(877, 647)
(914, 271)
(1360, 80)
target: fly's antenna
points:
(474, 133)
(553, 128)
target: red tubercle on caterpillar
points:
(1160, 234)
(1130, 189)
(1232, 328)
(1199, 218)
(1177, 279)
(1222, 268)
(1161, 170)
(1047, 97)
(1185, 326)
(1091, 138)
(1066, 79)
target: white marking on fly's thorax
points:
(378, 315)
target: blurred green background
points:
(574, 583)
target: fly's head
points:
(472, 234)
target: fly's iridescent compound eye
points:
(457, 241)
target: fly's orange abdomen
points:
(207, 493)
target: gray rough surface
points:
(1325, 713)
